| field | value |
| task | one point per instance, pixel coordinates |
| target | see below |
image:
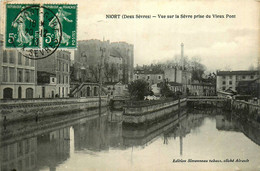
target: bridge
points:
(205, 101)
(206, 98)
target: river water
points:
(192, 140)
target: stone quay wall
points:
(150, 113)
(23, 109)
(249, 110)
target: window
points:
(59, 81)
(223, 82)
(12, 74)
(19, 149)
(53, 80)
(19, 75)
(5, 56)
(58, 65)
(19, 58)
(27, 76)
(223, 88)
(67, 67)
(12, 57)
(159, 77)
(137, 77)
(66, 80)
(32, 76)
(243, 77)
(63, 67)
(32, 62)
(26, 61)
(148, 77)
(230, 82)
(252, 77)
(5, 74)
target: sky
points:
(221, 43)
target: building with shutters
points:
(17, 74)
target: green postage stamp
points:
(36, 26)
(22, 26)
(66, 18)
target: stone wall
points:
(150, 113)
(14, 110)
(248, 110)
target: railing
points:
(205, 97)
(48, 100)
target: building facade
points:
(111, 61)
(149, 75)
(46, 85)
(17, 74)
(59, 65)
(230, 79)
(174, 74)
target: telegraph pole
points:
(102, 49)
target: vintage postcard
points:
(129, 85)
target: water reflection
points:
(55, 143)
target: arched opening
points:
(29, 93)
(19, 92)
(88, 91)
(8, 93)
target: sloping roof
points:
(247, 82)
(224, 73)
(174, 84)
(44, 73)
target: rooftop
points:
(148, 71)
(220, 73)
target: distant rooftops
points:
(148, 71)
(223, 73)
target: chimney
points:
(182, 59)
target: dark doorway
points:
(29, 93)
(19, 92)
(52, 94)
(95, 91)
(88, 91)
(8, 93)
(43, 92)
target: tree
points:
(95, 72)
(197, 69)
(110, 72)
(138, 89)
(165, 90)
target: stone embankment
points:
(16, 110)
(140, 114)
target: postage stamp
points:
(66, 14)
(22, 25)
(37, 31)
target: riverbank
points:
(26, 109)
(247, 111)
